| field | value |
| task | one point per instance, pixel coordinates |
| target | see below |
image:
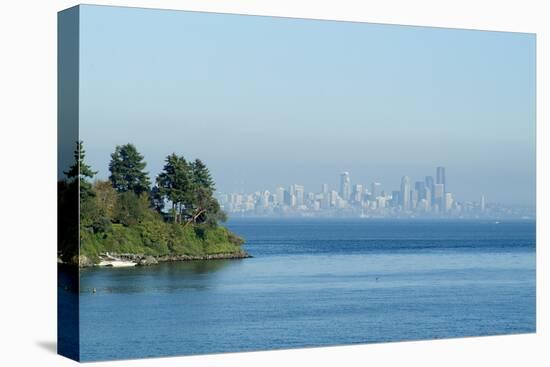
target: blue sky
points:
(273, 101)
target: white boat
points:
(115, 262)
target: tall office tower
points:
(324, 189)
(325, 201)
(440, 176)
(357, 193)
(280, 195)
(345, 186)
(430, 185)
(299, 193)
(414, 198)
(439, 195)
(395, 198)
(292, 200)
(333, 198)
(448, 201)
(405, 192)
(420, 187)
(430, 182)
(291, 189)
(287, 197)
(428, 198)
(482, 203)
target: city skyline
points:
(274, 107)
(425, 197)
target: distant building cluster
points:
(426, 198)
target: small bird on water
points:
(93, 290)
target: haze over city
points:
(426, 197)
(302, 102)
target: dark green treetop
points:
(201, 176)
(80, 171)
(176, 184)
(127, 170)
(79, 168)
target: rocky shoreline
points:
(144, 260)
(147, 260)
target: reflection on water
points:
(163, 277)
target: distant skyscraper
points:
(288, 197)
(430, 182)
(428, 198)
(324, 189)
(325, 202)
(482, 203)
(405, 192)
(291, 189)
(395, 198)
(430, 186)
(448, 201)
(420, 187)
(292, 200)
(439, 195)
(414, 198)
(333, 198)
(345, 186)
(357, 193)
(440, 175)
(280, 195)
(299, 192)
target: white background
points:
(28, 182)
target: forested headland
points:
(176, 217)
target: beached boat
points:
(115, 262)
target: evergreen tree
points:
(201, 176)
(81, 172)
(205, 207)
(127, 170)
(175, 184)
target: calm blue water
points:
(318, 283)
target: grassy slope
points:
(158, 238)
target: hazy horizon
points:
(269, 102)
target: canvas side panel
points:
(68, 187)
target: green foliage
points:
(201, 176)
(79, 169)
(130, 208)
(80, 172)
(123, 216)
(157, 200)
(127, 170)
(106, 198)
(158, 238)
(176, 185)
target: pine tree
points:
(81, 172)
(205, 207)
(127, 170)
(175, 183)
(201, 176)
